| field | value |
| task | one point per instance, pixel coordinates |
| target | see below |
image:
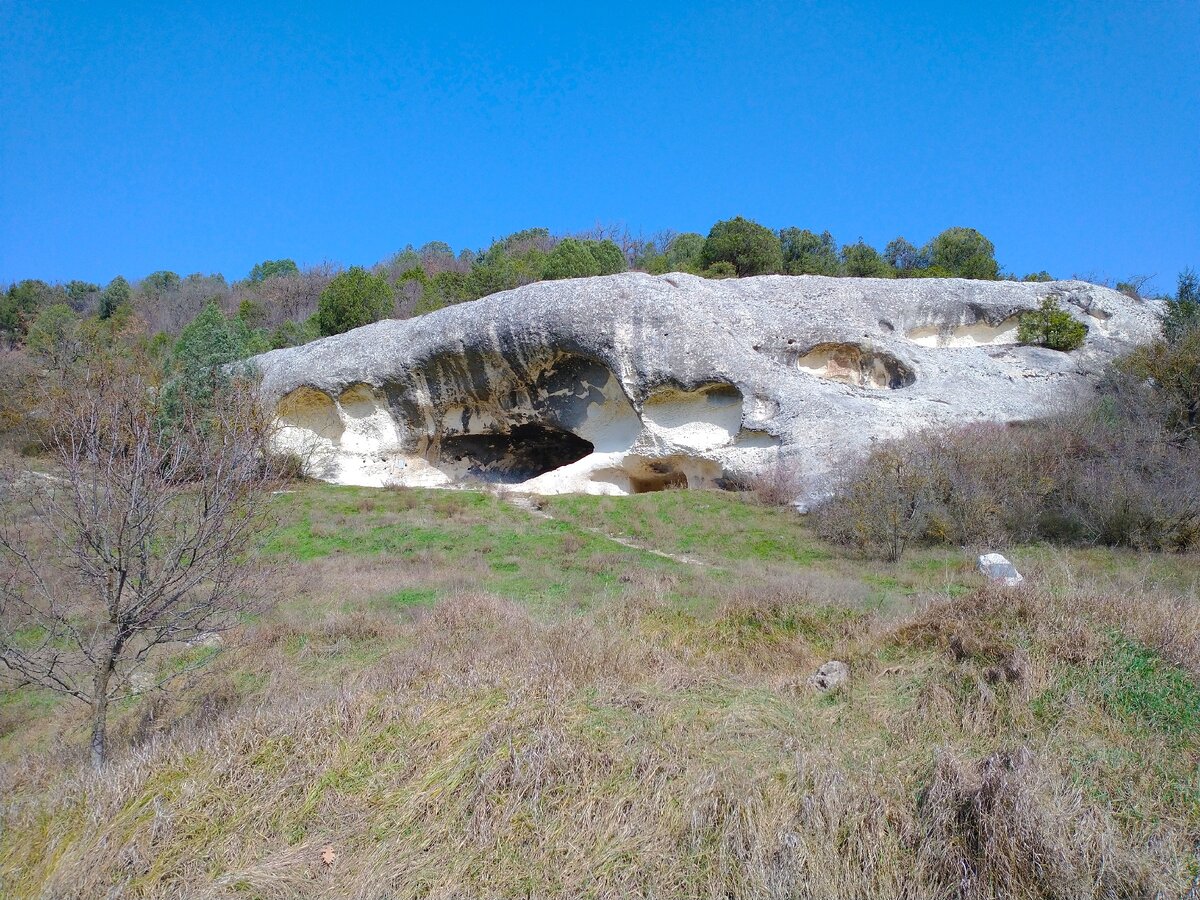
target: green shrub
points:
(861, 260)
(159, 282)
(501, 269)
(807, 253)
(749, 247)
(570, 259)
(198, 367)
(294, 334)
(1173, 368)
(19, 307)
(720, 270)
(443, 289)
(354, 298)
(53, 336)
(652, 262)
(1182, 313)
(683, 253)
(253, 313)
(115, 297)
(964, 253)
(271, 268)
(575, 258)
(904, 257)
(1052, 327)
(609, 257)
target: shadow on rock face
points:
(523, 452)
(855, 365)
(977, 333)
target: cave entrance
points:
(649, 484)
(521, 453)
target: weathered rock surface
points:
(830, 676)
(632, 382)
(996, 567)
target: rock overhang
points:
(665, 380)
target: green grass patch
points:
(1135, 687)
(1139, 686)
(409, 598)
(717, 526)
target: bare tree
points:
(663, 237)
(135, 548)
(883, 506)
(171, 306)
(286, 298)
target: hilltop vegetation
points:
(280, 304)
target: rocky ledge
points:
(630, 383)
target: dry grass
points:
(642, 751)
(425, 705)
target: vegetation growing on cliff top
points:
(281, 301)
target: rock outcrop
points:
(831, 676)
(630, 383)
(996, 567)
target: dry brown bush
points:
(780, 484)
(1103, 475)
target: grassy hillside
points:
(458, 697)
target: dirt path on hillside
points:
(530, 506)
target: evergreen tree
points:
(683, 253)
(1051, 326)
(199, 365)
(272, 268)
(964, 253)
(861, 260)
(571, 259)
(749, 247)
(807, 253)
(117, 295)
(1182, 314)
(354, 298)
(904, 257)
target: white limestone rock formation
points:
(632, 382)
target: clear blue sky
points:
(212, 136)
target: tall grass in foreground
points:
(999, 744)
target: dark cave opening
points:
(522, 452)
(669, 481)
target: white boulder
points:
(996, 567)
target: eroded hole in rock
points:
(510, 457)
(476, 393)
(641, 475)
(310, 427)
(970, 334)
(310, 413)
(368, 426)
(855, 365)
(704, 418)
(650, 483)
